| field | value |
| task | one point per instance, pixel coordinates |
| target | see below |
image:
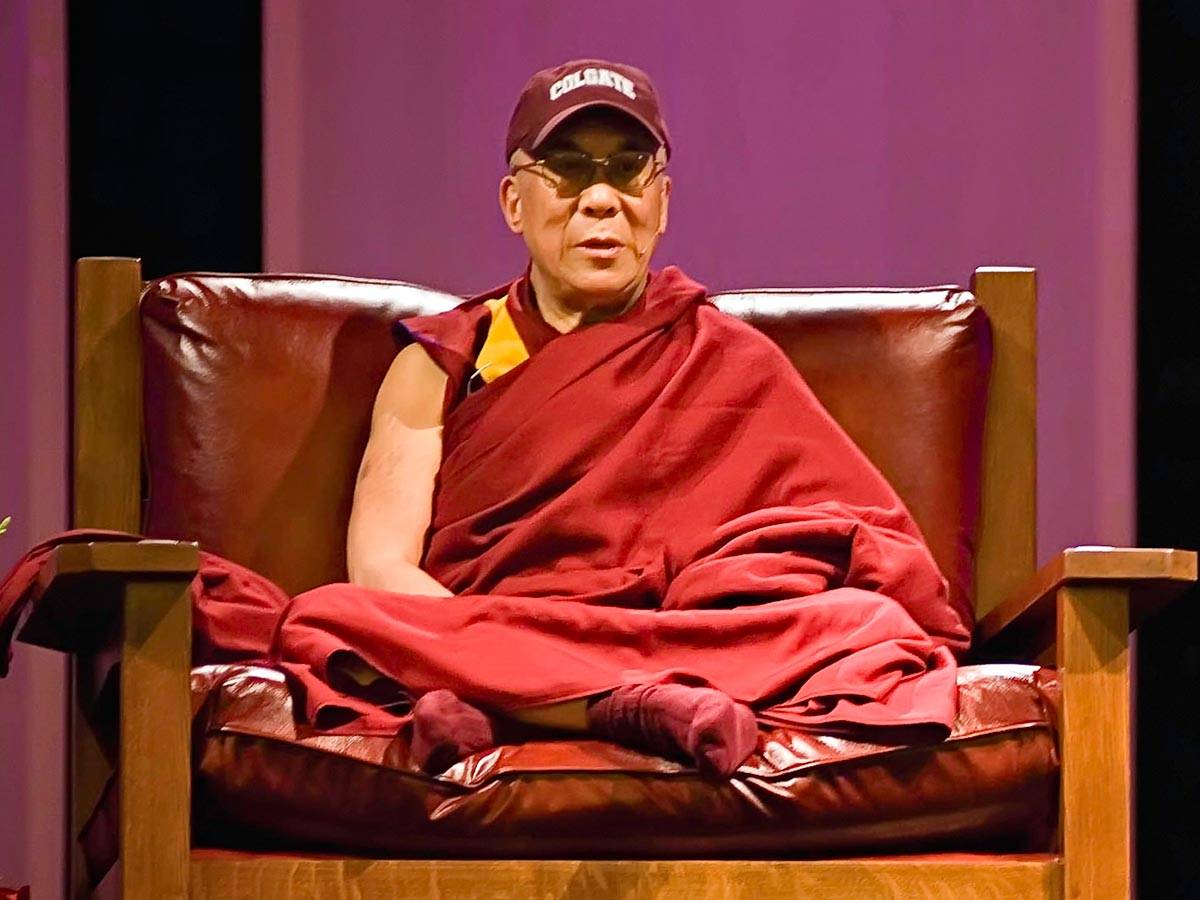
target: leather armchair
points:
(222, 796)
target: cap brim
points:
(565, 114)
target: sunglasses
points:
(571, 172)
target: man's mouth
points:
(600, 246)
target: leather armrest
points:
(1025, 623)
(77, 607)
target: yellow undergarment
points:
(503, 350)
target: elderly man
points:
(592, 502)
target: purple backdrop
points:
(33, 416)
(875, 142)
(816, 144)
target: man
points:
(592, 502)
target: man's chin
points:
(603, 287)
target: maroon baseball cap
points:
(552, 95)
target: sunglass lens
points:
(573, 170)
(628, 169)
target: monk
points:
(591, 502)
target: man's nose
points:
(599, 200)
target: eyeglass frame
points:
(537, 167)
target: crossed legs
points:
(702, 726)
(699, 725)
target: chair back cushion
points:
(259, 389)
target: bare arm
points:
(393, 497)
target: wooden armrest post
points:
(155, 750)
(107, 439)
(1006, 550)
(1092, 652)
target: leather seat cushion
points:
(262, 783)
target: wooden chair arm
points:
(1024, 625)
(79, 601)
(1077, 614)
(133, 601)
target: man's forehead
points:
(600, 125)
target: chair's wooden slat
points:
(1006, 554)
(107, 415)
(275, 878)
(1095, 807)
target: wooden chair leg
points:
(1093, 662)
(156, 778)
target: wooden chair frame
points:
(1076, 613)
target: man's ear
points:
(510, 204)
(662, 206)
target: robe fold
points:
(656, 497)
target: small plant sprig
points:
(4, 524)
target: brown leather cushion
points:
(992, 785)
(259, 391)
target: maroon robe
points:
(657, 497)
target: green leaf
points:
(4, 524)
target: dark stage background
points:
(166, 133)
(1168, 478)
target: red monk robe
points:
(658, 497)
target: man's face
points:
(594, 248)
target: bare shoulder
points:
(412, 391)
